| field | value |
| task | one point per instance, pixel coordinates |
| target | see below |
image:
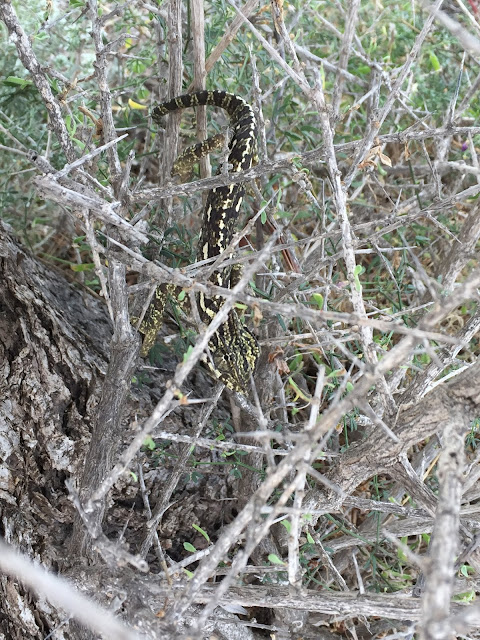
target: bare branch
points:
(61, 594)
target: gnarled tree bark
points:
(53, 353)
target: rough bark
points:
(53, 351)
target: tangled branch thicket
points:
(340, 498)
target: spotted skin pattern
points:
(233, 347)
(183, 165)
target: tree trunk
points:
(53, 349)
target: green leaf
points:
(88, 266)
(200, 530)
(311, 129)
(41, 36)
(363, 70)
(356, 272)
(81, 145)
(434, 61)
(317, 298)
(149, 443)
(310, 540)
(18, 82)
(279, 198)
(274, 559)
(134, 476)
(468, 596)
(336, 373)
(181, 295)
(298, 391)
(137, 66)
(142, 94)
(187, 353)
(322, 76)
(287, 524)
(297, 363)
(189, 574)
(189, 547)
(281, 322)
(70, 124)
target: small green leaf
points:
(363, 70)
(310, 129)
(322, 75)
(336, 373)
(317, 298)
(297, 363)
(356, 272)
(468, 596)
(149, 443)
(187, 353)
(298, 391)
(181, 295)
(274, 559)
(281, 322)
(70, 124)
(434, 61)
(189, 574)
(137, 66)
(263, 215)
(81, 145)
(134, 476)
(279, 198)
(464, 570)
(200, 530)
(189, 547)
(19, 82)
(88, 266)
(310, 540)
(287, 524)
